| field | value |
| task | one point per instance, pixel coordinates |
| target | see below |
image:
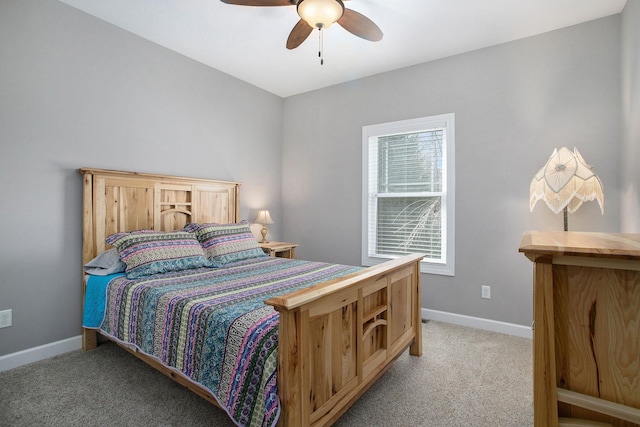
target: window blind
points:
(406, 183)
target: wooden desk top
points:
(577, 243)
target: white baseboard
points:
(478, 323)
(46, 351)
(41, 352)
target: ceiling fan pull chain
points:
(321, 47)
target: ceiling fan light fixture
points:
(320, 13)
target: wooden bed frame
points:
(335, 339)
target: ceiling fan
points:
(320, 14)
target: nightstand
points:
(279, 249)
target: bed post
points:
(416, 348)
(289, 369)
(89, 337)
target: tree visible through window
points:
(408, 198)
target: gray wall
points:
(513, 104)
(74, 92)
(630, 153)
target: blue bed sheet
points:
(95, 300)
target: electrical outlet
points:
(5, 318)
(486, 292)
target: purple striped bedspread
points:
(213, 326)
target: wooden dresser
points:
(586, 340)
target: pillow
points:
(105, 264)
(148, 252)
(192, 227)
(225, 243)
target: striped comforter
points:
(213, 326)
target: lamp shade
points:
(320, 13)
(566, 181)
(263, 217)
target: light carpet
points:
(465, 377)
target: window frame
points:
(444, 121)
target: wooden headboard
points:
(115, 201)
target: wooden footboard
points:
(337, 338)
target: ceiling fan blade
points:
(260, 2)
(359, 25)
(299, 34)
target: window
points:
(408, 192)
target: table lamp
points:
(263, 218)
(565, 182)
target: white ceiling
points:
(249, 42)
